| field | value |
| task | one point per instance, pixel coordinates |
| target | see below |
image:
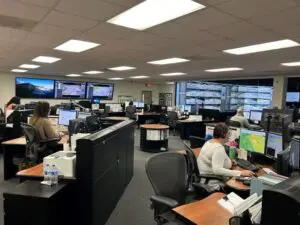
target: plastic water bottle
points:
(47, 173)
(54, 175)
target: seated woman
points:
(12, 103)
(214, 160)
(42, 123)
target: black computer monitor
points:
(209, 114)
(283, 164)
(274, 144)
(155, 108)
(65, 116)
(85, 104)
(295, 154)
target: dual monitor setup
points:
(62, 89)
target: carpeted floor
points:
(133, 207)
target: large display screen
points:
(34, 88)
(70, 89)
(253, 141)
(100, 90)
(293, 96)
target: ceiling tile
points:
(69, 21)
(22, 10)
(51, 30)
(43, 40)
(12, 35)
(127, 3)
(44, 3)
(92, 9)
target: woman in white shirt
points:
(214, 160)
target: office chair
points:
(234, 123)
(172, 121)
(197, 142)
(195, 177)
(169, 181)
(93, 124)
(36, 149)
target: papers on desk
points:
(236, 205)
(271, 180)
(157, 135)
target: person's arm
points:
(218, 159)
(246, 123)
(49, 131)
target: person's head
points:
(14, 100)
(131, 103)
(221, 132)
(42, 110)
(240, 111)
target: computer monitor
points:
(83, 115)
(295, 153)
(253, 141)
(255, 115)
(65, 116)
(95, 106)
(96, 100)
(247, 114)
(136, 104)
(274, 145)
(141, 104)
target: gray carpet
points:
(133, 207)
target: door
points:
(147, 97)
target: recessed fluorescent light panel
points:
(19, 71)
(73, 75)
(122, 68)
(76, 46)
(29, 66)
(116, 78)
(170, 82)
(150, 13)
(173, 74)
(263, 47)
(228, 69)
(92, 72)
(139, 77)
(46, 59)
(168, 61)
(291, 64)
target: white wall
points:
(129, 88)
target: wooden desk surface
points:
(206, 211)
(22, 141)
(147, 114)
(154, 126)
(116, 118)
(35, 171)
(194, 121)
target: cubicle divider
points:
(104, 169)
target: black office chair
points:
(196, 142)
(195, 177)
(172, 121)
(93, 124)
(36, 149)
(167, 173)
(234, 123)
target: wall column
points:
(279, 91)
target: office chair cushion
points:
(167, 174)
(164, 200)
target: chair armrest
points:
(202, 188)
(50, 140)
(164, 201)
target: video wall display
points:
(224, 97)
(100, 90)
(62, 89)
(34, 88)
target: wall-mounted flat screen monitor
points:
(34, 88)
(70, 89)
(100, 90)
(293, 97)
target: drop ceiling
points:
(41, 25)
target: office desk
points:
(192, 128)
(205, 212)
(153, 137)
(17, 147)
(143, 117)
(115, 118)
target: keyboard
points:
(246, 165)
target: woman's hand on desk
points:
(247, 173)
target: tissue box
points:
(65, 162)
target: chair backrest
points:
(234, 123)
(167, 173)
(172, 118)
(196, 142)
(192, 161)
(30, 134)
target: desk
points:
(143, 117)
(17, 147)
(205, 212)
(153, 137)
(192, 128)
(115, 118)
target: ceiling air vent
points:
(17, 23)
